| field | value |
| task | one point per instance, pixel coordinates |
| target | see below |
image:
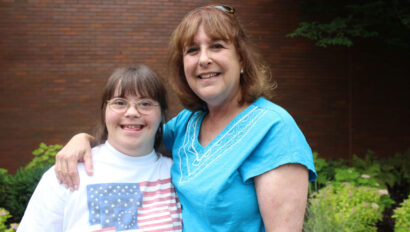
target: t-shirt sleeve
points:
(45, 210)
(283, 143)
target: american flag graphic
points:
(145, 206)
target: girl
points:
(131, 187)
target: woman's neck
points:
(217, 119)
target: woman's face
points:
(212, 69)
(131, 132)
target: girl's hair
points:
(131, 81)
(256, 80)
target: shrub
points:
(44, 155)
(325, 170)
(344, 207)
(3, 179)
(389, 172)
(402, 216)
(16, 190)
(4, 215)
(19, 189)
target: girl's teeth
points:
(132, 127)
(208, 75)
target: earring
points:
(241, 70)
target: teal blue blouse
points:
(215, 183)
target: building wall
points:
(55, 56)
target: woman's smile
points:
(212, 69)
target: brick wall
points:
(55, 56)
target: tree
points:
(342, 22)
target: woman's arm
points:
(78, 149)
(282, 197)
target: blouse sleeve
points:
(282, 144)
(169, 133)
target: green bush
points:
(3, 178)
(402, 216)
(325, 170)
(16, 190)
(44, 155)
(344, 207)
(388, 172)
(19, 189)
(4, 215)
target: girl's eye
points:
(120, 102)
(145, 103)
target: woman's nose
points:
(204, 58)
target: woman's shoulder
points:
(182, 118)
(272, 109)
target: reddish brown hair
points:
(256, 79)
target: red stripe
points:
(153, 183)
(160, 223)
(172, 212)
(105, 229)
(159, 199)
(165, 204)
(157, 191)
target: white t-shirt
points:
(125, 193)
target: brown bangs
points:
(145, 86)
(217, 25)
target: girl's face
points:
(132, 132)
(212, 69)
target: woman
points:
(131, 188)
(240, 161)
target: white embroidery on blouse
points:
(222, 144)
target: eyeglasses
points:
(120, 105)
(226, 9)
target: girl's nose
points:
(132, 111)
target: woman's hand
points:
(282, 197)
(78, 149)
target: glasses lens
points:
(118, 104)
(121, 105)
(146, 106)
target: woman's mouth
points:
(208, 75)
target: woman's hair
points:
(256, 79)
(131, 81)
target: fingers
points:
(73, 178)
(61, 169)
(58, 168)
(76, 150)
(88, 162)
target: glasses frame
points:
(129, 103)
(225, 8)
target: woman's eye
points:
(191, 50)
(217, 45)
